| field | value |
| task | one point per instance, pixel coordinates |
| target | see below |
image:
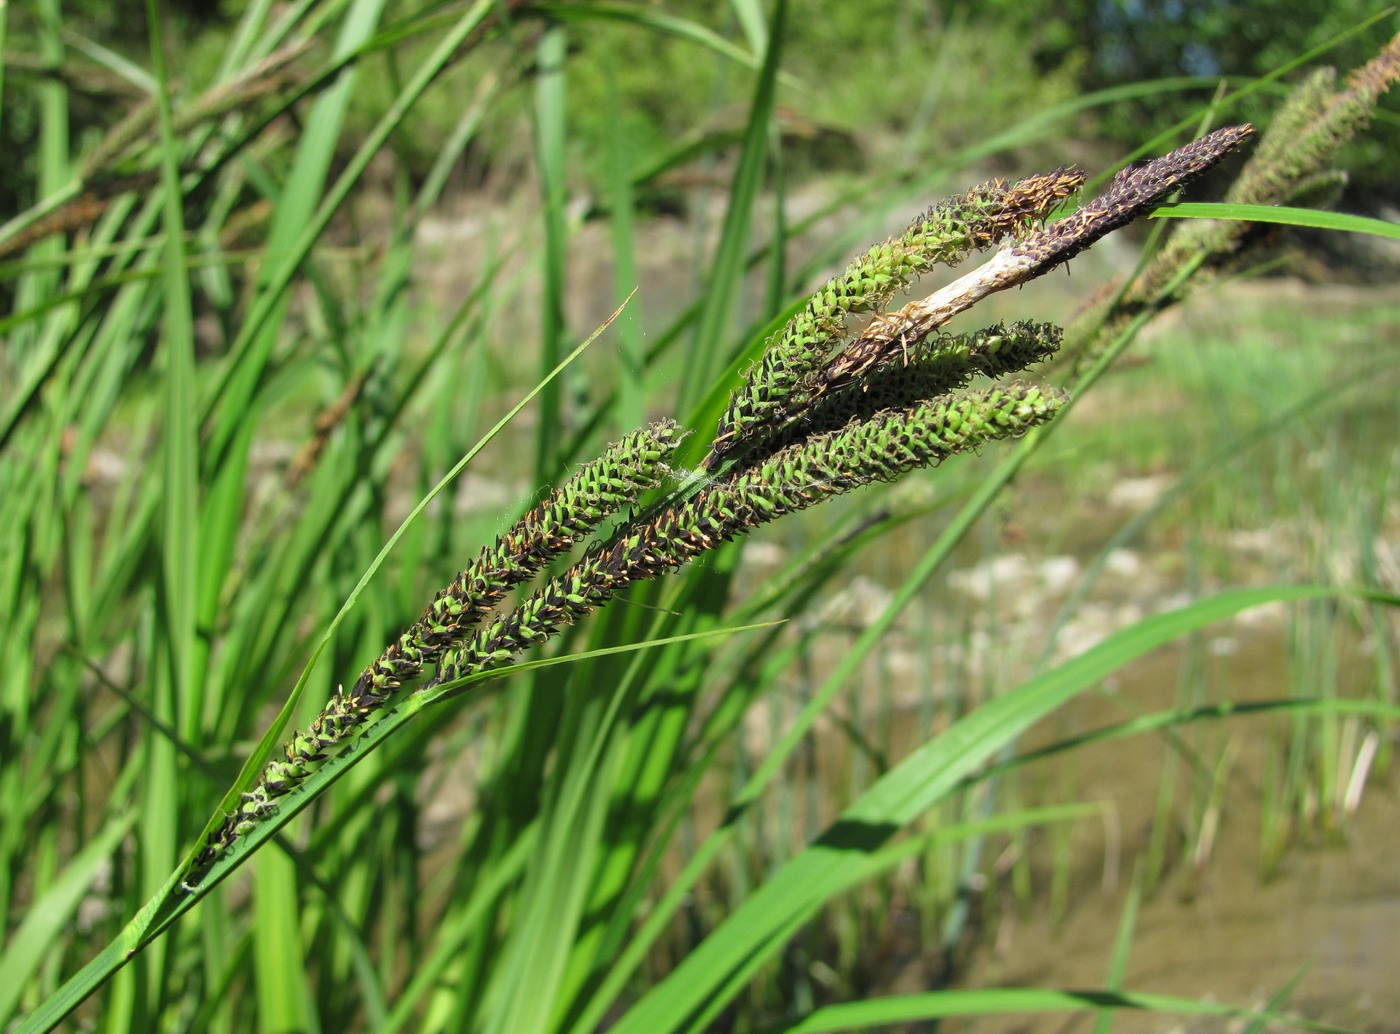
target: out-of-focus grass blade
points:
(180, 480)
(1041, 124)
(283, 995)
(630, 398)
(46, 917)
(706, 980)
(4, 24)
(527, 982)
(87, 292)
(651, 21)
(1283, 216)
(1122, 949)
(115, 63)
(458, 928)
(713, 326)
(1159, 720)
(1259, 1023)
(550, 144)
(750, 16)
(176, 700)
(1001, 1001)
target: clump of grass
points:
(546, 920)
(824, 411)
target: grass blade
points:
(713, 326)
(549, 146)
(1001, 1001)
(33, 941)
(1282, 216)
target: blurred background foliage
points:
(858, 87)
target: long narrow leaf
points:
(1283, 216)
(713, 327)
(1001, 1001)
(34, 940)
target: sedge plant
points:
(824, 411)
(853, 389)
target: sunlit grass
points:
(216, 413)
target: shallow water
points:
(1217, 928)
(1225, 923)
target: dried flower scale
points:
(821, 413)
